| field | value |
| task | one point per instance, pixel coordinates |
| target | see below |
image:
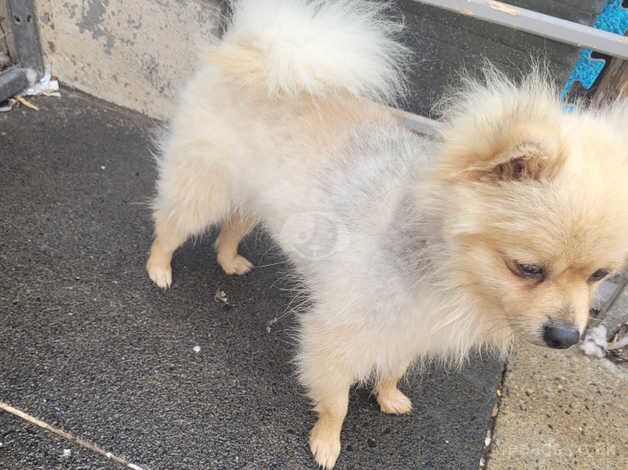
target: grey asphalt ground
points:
(91, 346)
(31, 448)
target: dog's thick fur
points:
(409, 247)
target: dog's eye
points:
(530, 270)
(598, 275)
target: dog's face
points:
(537, 217)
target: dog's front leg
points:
(325, 372)
(332, 400)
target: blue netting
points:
(612, 18)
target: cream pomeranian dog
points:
(410, 248)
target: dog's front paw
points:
(237, 265)
(325, 445)
(159, 274)
(393, 401)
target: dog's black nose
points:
(560, 335)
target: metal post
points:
(29, 65)
(25, 35)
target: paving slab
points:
(561, 409)
(172, 380)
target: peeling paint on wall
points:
(135, 54)
(93, 21)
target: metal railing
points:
(528, 21)
(539, 24)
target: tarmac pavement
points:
(168, 380)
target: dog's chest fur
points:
(369, 253)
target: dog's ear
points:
(523, 162)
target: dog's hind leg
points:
(190, 198)
(391, 400)
(233, 230)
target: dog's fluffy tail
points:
(315, 47)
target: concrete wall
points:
(138, 53)
(135, 53)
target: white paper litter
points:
(45, 86)
(221, 296)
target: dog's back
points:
(286, 82)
